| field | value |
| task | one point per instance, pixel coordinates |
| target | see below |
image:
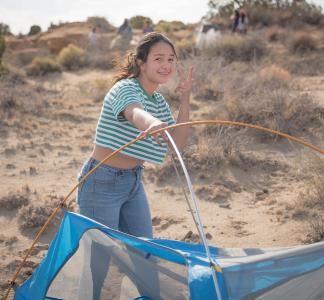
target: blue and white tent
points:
(166, 269)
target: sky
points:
(21, 14)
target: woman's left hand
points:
(185, 83)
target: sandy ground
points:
(246, 208)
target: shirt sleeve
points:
(166, 112)
(125, 95)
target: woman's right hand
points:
(156, 125)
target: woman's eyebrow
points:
(160, 54)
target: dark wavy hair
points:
(129, 68)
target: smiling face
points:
(159, 66)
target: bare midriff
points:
(120, 161)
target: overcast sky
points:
(21, 14)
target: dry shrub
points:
(237, 48)
(275, 34)
(315, 231)
(42, 66)
(266, 101)
(25, 57)
(16, 200)
(311, 64)
(274, 76)
(302, 42)
(36, 214)
(72, 57)
(185, 48)
(313, 198)
(211, 86)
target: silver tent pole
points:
(196, 215)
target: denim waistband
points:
(93, 162)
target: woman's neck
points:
(149, 86)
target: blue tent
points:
(183, 270)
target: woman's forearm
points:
(180, 134)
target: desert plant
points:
(15, 200)
(137, 22)
(267, 102)
(42, 66)
(302, 42)
(4, 29)
(71, 57)
(236, 48)
(100, 23)
(34, 29)
(275, 33)
(316, 230)
(275, 77)
(168, 27)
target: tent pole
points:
(197, 217)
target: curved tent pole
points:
(197, 217)
(213, 122)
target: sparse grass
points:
(42, 66)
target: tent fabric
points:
(166, 269)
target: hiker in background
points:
(92, 36)
(125, 30)
(235, 18)
(125, 34)
(147, 27)
(243, 21)
(114, 195)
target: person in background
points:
(147, 27)
(92, 37)
(243, 21)
(114, 195)
(235, 18)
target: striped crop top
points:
(113, 130)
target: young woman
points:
(114, 195)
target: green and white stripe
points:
(113, 130)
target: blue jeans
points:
(115, 198)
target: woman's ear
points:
(140, 64)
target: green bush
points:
(101, 23)
(34, 30)
(138, 22)
(42, 66)
(72, 57)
